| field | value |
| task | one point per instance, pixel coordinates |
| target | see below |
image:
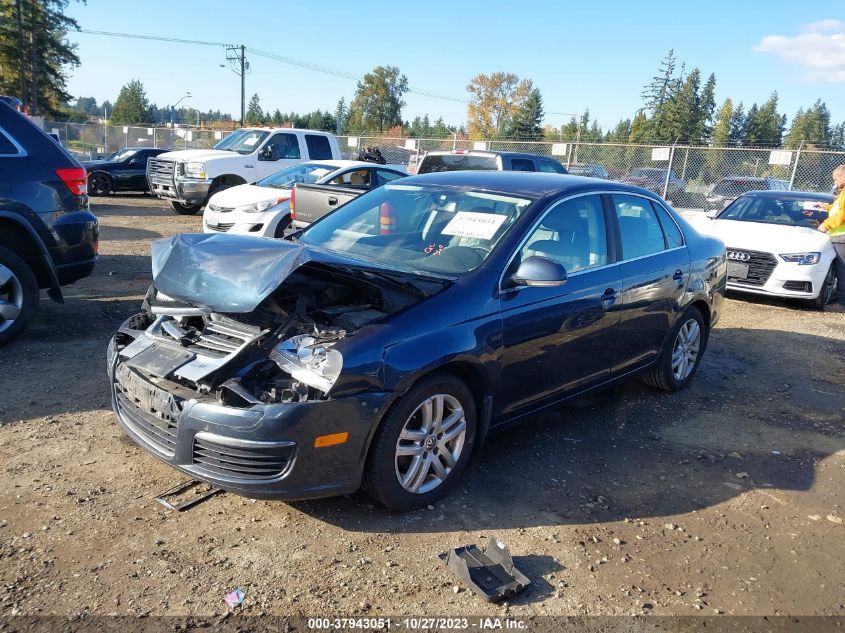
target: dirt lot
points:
(726, 498)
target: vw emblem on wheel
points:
(739, 256)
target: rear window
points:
(458, 162)
(522, 164)
(7, 148)
(319, 147)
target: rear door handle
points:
(608, 298)
(332, 201)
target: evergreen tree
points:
(526, 123)
(764, 125)
(340, 115)
(278, 119)
(440, 129)
(706, 110)
(620, 133)
(254, 114)
(738, 124)
(683, 111)
(660, 91)
(35, 53)
(721, 136)
(131, 107)
(812, 126)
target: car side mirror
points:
(712, 214)
(269, 153)
(539, 271)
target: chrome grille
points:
(160, 172)
(218, 209)
(760, 267)
(220, 228)
(247, 462)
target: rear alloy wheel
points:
(422, 445)
(18, 295)
(100, 184)
(681, 354)
(185, 209)
(828, 290)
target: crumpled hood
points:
(196, 155)
(227, 272)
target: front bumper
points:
(788, 281)
(241, 223)
(186, 191)
(264, 451)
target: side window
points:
(639, 227)
(522, 164)
(7, 148)
(319, 147)
(551, 167)
(673, 235)
(353, 177)
(386, 176)
(572, 233)
(281, 146)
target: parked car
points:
(476, 160)
(773, 246)
(732, 187)
(48, 237)
(188, 178)
(359, 353)
(124, 170)
(654, 179)
(589, 170)
(264, 208)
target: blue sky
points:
(595, 55)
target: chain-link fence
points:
(690, 177)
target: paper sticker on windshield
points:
(252, 140)
(812, 205)
(469, 224)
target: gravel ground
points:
(723, 499)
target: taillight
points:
(75, 179)
(292, 202)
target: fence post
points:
(569, 156)
(795, 166)
(684, 168)
(669, 170)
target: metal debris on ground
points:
(200, 490)
(489, 572)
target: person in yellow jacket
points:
(834, 226)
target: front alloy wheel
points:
(685, 350)
(430, 444)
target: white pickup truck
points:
(188, 178)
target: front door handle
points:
(332, 201)
(679, 277)
(608, 298)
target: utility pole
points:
(236, 56)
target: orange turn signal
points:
(331, 440)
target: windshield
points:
(789, 212)
(458, 162)
(121, 154)
(430, 229)
(242, 141)
(308, 173)
(737, 187)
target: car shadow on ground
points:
(125, 234)
(636, 452)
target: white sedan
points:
(263, 208)
(773, 247)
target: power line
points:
(328, 70)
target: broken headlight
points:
(309, 360)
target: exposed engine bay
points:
(282, 351)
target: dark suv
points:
(48, 237)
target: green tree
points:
(131, 107)
(440, 129)
(720, 138)
(812, 126)
(764, 125)
(620, 133)
(738, 124)
(278, 118)
(254, 114)
(35, 54)
(706, 110)
(340, 114)
(88, 105)
(682, 111)
(527, 122)
(377, 104)
(659, 92)
(494, 100)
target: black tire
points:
(100, 184)
(185, 209)
(281, 227)
(828, 290)
(19, 292)
(661, 374)
(381, 474)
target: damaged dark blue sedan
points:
(380, 345)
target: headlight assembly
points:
(802, 259)
(309, 361)
(194, 170)
(258, 207)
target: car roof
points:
(790, 195)
(516, 183)
(285, 129)
(486, 152)
(343, 164)
(744, 179)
